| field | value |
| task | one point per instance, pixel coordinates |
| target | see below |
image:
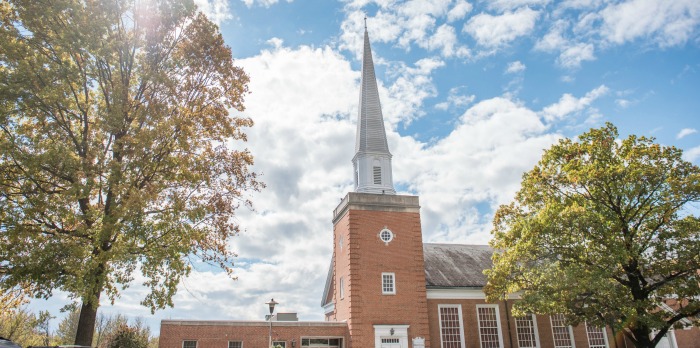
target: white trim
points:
(456, 294)
(461, 322)
(329, 308)
(393, 283)
(534, 327)
(341, 338)
(384, 331)
(498, 323)
(341, 287)
(588, 334)
(671, 338)
(571, 334)
(461, 294)
(391, 235)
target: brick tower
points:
(377, 278)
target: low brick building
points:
(388, 289)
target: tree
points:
(603, 231)
(123, 335)
(68, 326)
(23, 327)
(126, 336)
(117, 149)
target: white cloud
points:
(216, 10)
(495, 31)
(569, 104)
(417, 22)
(456, 99)
(471, 168)
(572, 56)
(445, 40)
(623, 103)
(668, 23)
(692, 155)
(686, 132)
(515, 67)
(504, 5)
(459, 10)
(402, 100)
(554, 39)
(264, 3)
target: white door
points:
(390, 343)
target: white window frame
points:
(461, 322)
(302, 338)
(571, 334)
(229, 343)
(393, 283)
(341, 289)
(670, 336)
(534, 328)
(196, 344)
(588, 335)
(275, 345)
(498, 323)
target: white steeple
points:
(372, 161)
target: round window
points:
(386, 236)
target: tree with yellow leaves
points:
(118, 151)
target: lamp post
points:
(272, 304)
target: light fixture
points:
(391, 331)
(271, 304)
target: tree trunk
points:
(86, 322)
(641, 335)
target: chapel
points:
(386, 288)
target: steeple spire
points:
(372, 161)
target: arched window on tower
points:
(377, 171)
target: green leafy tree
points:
(118, 152)
(603, 231)
(23, 327)
(126, 336)
(68, 326)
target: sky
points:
(472, 92)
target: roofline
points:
(431, 287)
(250, 323)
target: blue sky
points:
(472, 92)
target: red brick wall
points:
(364, 258)
(471, 326)
(217, 334)
(689, 338)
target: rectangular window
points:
(562, 333)
(235, 344)
(388, 286)
(279, 344)
(596, 337)
(526, 329)
(377, 175)
(489, 326)
(322, 342)
(451, 334)
(390, 340)
(189, 344)
(342, 288)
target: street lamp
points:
(272, 304)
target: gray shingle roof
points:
(456, 265)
